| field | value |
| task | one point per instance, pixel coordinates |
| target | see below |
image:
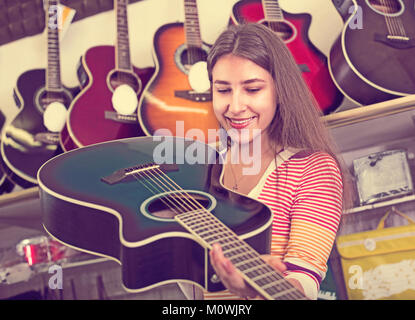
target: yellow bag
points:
(379, 264)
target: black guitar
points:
(373, 59)
(6, 185)
(32, 137)
(157, 220)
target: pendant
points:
(235, 187)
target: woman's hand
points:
(233, 281)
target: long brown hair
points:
(297, 122)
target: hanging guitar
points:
(157, 220)
(375, 61)
(179, 92)
(32, 137)
(6, 185)
(293, 30)
(106, 108)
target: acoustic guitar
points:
(293, 30)
(178, 97)
(106, 108)
(158, 220)
(32, 137)
(6, 185)
(374, 60)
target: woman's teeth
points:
(241, 121)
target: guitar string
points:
(394, 20)
(138, 177)
(293, 295)
(388, 24)
(398, 21)
(271, 278)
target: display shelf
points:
(381, 204)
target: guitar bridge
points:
(397, 42)
(137, 171)
(193, 95)
(129, 119)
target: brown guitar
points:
(177, 93)
(375, 62)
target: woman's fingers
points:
(228, 274)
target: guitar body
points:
(6, 185)
(160, 107)
(120, 220)
(366, 65)
(22, 152)
(87, 122)
(294, 31)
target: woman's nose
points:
(237, 104)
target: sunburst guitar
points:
(293, 29)
(178, 97)
(158, 216)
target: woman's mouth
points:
(239, 123)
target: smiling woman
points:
(259, 96)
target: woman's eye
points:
(252, 90)
(223, 90)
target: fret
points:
(273, 283)
(53, 77)
(191, 24)
(222, 239)
(260, 275)
(123, 60)
(272, 10)
(246, 261)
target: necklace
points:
(237, 182)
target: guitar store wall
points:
(23, 47)
(145, 17)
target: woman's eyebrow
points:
(243, 82)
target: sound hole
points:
(45, 98)
(386, 6)
(168, 206)
(118, 78)
(191, 55)
(282, 29)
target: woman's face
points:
(244, 98)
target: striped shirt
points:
(304, 193)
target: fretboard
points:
(122, 44)
(210, 230)
(272, 10)
(191, 24)
(53, 75)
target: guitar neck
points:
(53, 74)
(269, 283)
(191, 24)
(272, 10)
(122, 45)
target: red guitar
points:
(106, 108)
(293, 28)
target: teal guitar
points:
(158, 220)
